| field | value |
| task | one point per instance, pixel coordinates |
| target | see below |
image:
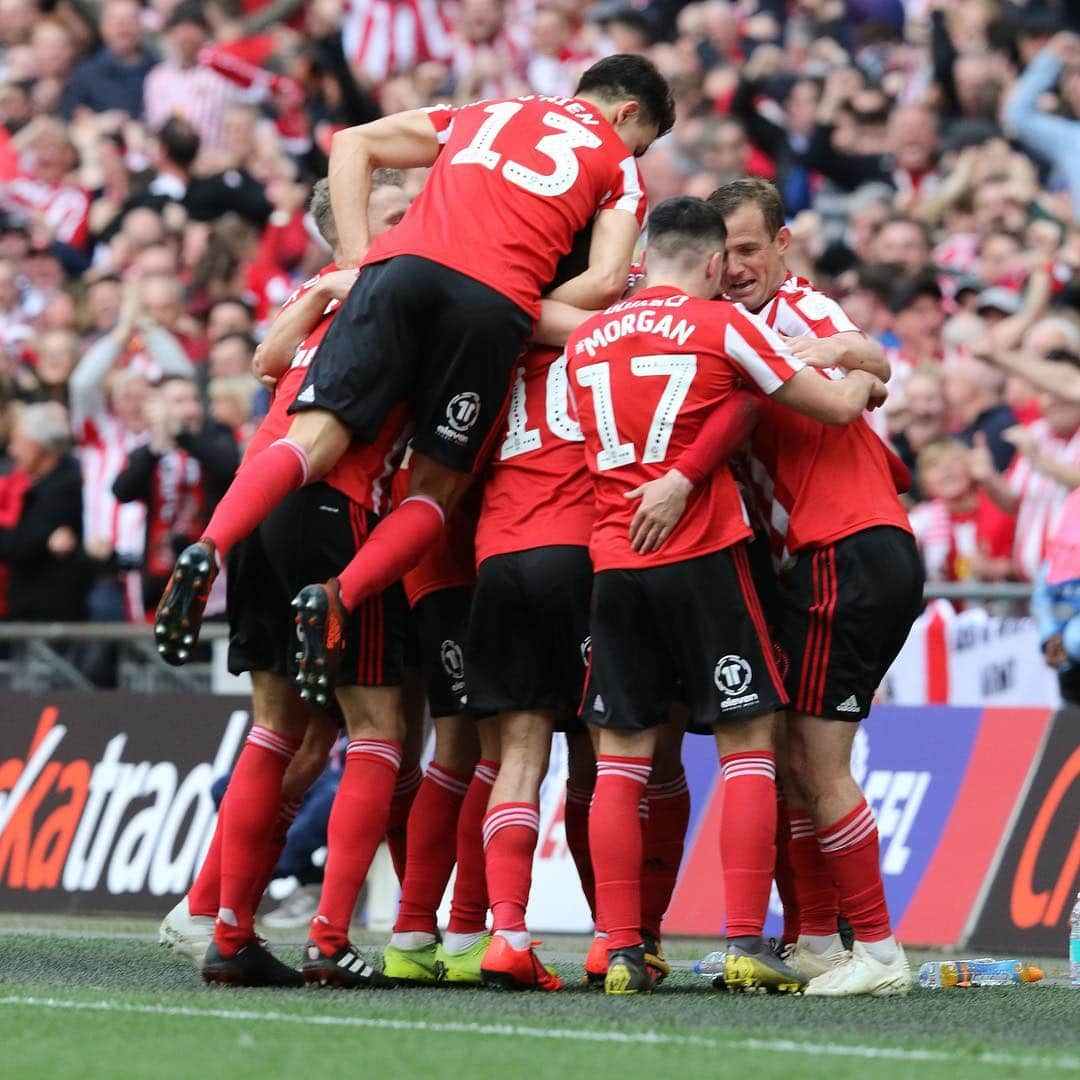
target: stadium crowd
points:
(156, 162)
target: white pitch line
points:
(643, 1038)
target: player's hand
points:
(662, 504)
(815, 352)
(879, 394)
(1054, 652)
(337, 283)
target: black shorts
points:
(260, 617)
(845, 611)
(698, 622)
(310, 537)
(528, 640)
(413, 330)
(436, 645)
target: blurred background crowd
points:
(156, 161)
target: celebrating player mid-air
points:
(439, 314)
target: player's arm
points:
(557, 322)
(615, 235)
(406, 140)
(832, 401)
(294, 322)
(850, 349)
(664, 500)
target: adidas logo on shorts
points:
(851, 705)
(306, 396)
(598, 704)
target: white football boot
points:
(187, 934)
(806, 961)
(861, 974)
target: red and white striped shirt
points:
(103, 452)
(1042, 498)
(65, 207)
(199, 94)
(382, 38)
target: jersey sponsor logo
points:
(453, 661)
(732, 675)
(462, 412)
(849, 705)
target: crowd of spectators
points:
(156, 160)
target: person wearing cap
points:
(917, 319)
(181, 86)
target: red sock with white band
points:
(819, 902)
(665, 835)
(430, 854)
(394, 547)
(510, 832)
(851, 850)
(253, 800)
(256, 490)
(748, 839)
(616, 844)
(356, 828)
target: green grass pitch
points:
(99, 998)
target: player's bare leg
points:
(623, 764)
(376, 726)
(748, 853)
(251, 814)
(394, 547)
(511, 828)
(847, 835)
(414, 954)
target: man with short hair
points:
(113, 77)
(543, 169)
(645, 374)
(850, 587)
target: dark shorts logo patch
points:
(732, 675)
(453, 661)
(463, 411)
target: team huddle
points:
(537, 491)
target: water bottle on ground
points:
(1074, 944)
(944, 975)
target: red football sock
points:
(274, 847)
(357, 825)
(432, 830)
(665, 834)
(783, 873)
(254, 797)
(204, 894)
(576, 825)
(408, 784)
(851, 851)
(255, 491)
(469, 905)
(615, 840)
(748, 838)
(819, 902)
(394, 547)
(510, 832)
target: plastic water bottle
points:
(944, 975)
(1074, 944)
